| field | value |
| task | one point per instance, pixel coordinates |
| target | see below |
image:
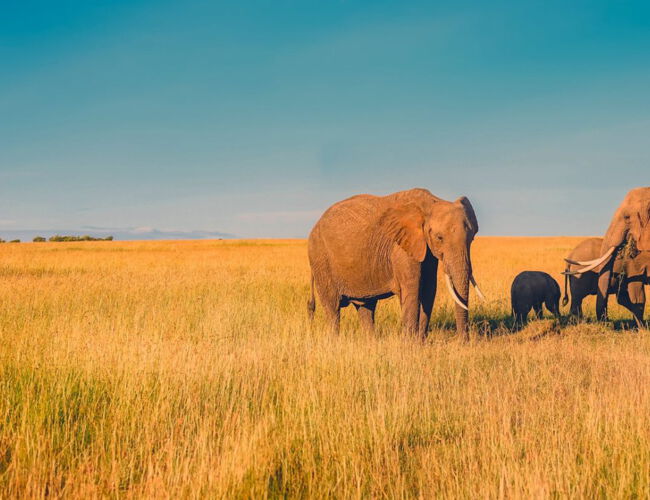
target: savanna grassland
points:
(189, 369)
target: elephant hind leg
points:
(331, 302)
(553, 305)
(521, 316)
(333, 313)
(366, 314)
(518, 319)
(538, 310)
(311, 304)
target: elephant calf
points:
(531, 290)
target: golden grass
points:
(189, 369)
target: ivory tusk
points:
(594, 261)
(572, 273)
(579, 272)
(594, 264)
(453, 293)
(478, 290)
(576, 272)
(580, 262)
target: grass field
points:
(189, 369)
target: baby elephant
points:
(531, 289)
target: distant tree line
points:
(58, 238)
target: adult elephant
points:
(368, 248)
(631, 221)
(630, 272)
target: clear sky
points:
(251, 118)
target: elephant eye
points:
(439, 237)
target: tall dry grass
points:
(189, 369)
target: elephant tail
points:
(565, 299)
(311, 305)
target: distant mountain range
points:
(124, 233)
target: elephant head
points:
(445, 229)
(632, 219)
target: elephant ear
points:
(471, 216)
(405, 226)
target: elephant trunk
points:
(644, 239)
(614, 238)
(460, 271)
(604, 279)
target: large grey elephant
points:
(368, 248)
(630, 272)
(631, 221)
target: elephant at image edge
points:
(368, 248)
(629, 275)
(631, 220)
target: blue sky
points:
(250, 118)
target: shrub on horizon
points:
(85, 237)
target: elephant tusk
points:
(453, 293)
(594, 263)
(478, 290)
(579, 272)
(577, 263)
(590, 262)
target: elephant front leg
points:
(637, 297)
(426, 306)
(632, 297)
(427, 295)
(603, 291)
(407, 274)
(410, 313)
